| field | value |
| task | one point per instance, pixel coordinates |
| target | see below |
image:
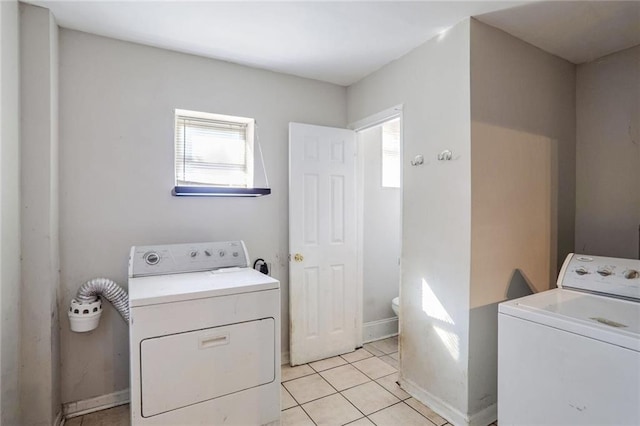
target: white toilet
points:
(395, 305)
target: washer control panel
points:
(178, 258)
(606, 275)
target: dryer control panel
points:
(609, 276)
(193, 257)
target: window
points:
(213, 150)
(214, 156)
(391, 154)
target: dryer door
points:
(196, 366)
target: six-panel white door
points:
(322, 242)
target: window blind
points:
(212, 152)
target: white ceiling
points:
(339, 42)
(343, 41)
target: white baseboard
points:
(485, 416)
(443, 409)
(85, 406)
(446, 411)
(380, 329)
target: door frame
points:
(358, 126)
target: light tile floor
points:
(358, 388)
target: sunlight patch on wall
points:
(451, 341)
(432, 306)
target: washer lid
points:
(607, 319)
(151, 290)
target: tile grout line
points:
(353, 421)
(314, 371)
(360, 384)
(308, 415)
(434, 424)
(370, 380)
(388, 406)
(337, 391)
(287, 391)
(340, 393)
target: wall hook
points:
(418, 160)
(445, 155)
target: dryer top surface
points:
(152, 290)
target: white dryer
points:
(204, 336)
(571, 356)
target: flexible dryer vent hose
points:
(110, 290)
(86, 308)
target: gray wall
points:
(432, 82)
(116, 174)
(522, 184)
(608, 155)
(519, 87)
(40, 375)
(381, 232)
(9, 214)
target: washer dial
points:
(605, 272)
(581, 271)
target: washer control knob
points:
(604, 272)
(221, 253)
(152, 258)
(207, 253)
(193, 253)
(581, 271)
(235, 254)
(631, 274)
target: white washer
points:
(571, 356)
(204, 336)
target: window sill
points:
(218, 191)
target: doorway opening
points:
(380, 224)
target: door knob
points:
(298, 257)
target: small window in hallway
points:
(391, 154)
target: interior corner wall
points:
(516, 86)
(608, 156)
(117, 102)
(40, 365)
(432, 82)
(523, 186)
(9, 214)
